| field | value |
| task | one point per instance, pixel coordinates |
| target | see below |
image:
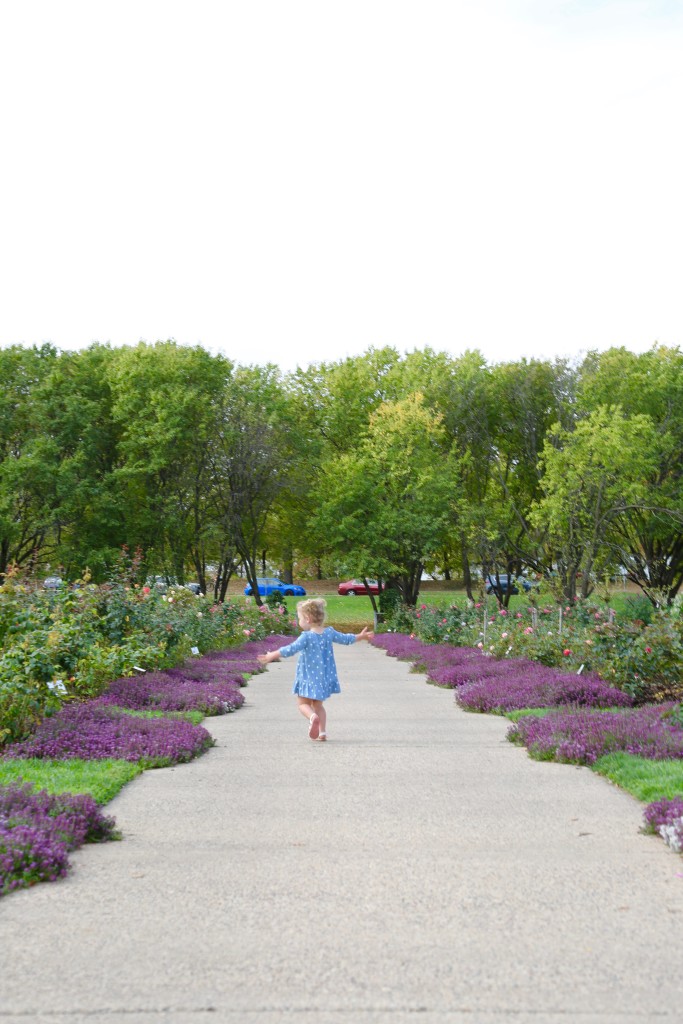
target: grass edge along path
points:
(658, 781)
(101, 779)
(50, 806)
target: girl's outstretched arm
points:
(365, 634)
(265, 659)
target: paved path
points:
(417, 867)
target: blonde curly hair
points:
(313, 610)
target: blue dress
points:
(316, 671)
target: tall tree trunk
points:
(467, 575)
(4, 556)
(252, 576)
(288, 566)
(199, 562)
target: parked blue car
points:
(272, 585)
(506, 583)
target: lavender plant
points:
(641, 657)
(29, 855)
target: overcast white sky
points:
(297, 180)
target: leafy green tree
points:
(592, 477)
(26, 492)
(386, 507)
(166, 399)
(249, 462)
(526, 399)
(330, 403)
(648, 540)
(79, 445)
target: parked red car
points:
(352, 587)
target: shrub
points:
(642, 658)
(82, 638)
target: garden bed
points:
(567, 717)
(98, 745)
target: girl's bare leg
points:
(306, 707)
(321, 713)
(309, 707)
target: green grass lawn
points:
(347, 614)
(100, 779)
(352, 613)
(644, 779)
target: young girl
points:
(316, 671)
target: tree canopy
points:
(382, 465)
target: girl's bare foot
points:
(314, 727)
(322, 737)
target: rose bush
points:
(71, 643)
(642, 658)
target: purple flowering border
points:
(583, 728)
(38, 830)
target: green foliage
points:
(592, 475)
(274, 601)
(388, 505)
(68, 645)
(638, 609)
(536, 463)
(643, 660)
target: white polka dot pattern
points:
(316, 670)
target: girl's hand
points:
(265, 659)
(365, 634)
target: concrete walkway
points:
(415, 867)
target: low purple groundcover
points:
(499, 685)
(252, 648)
(37, 831)
(93, 731)
(515, 687)
(163, 691)
(97, 728)
(582, 735)
(400, 645)
(218, 671)
(663, 812)
(209, 684)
